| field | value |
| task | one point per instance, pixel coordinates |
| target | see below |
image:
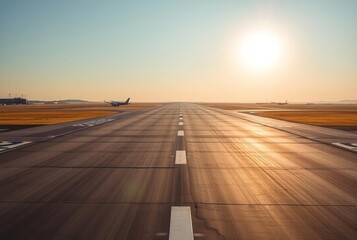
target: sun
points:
(261, 50)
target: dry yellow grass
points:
(266, 106)
(57, 113)
(319, 118)
(314, 114)
(47, 117)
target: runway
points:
(237, 177)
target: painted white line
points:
(181, 223)
(180, 118)
(180, 133)
(7, 145)
(93, 123)
(180, 123)
(349, 146)
(180, 157)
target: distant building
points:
(13, 101)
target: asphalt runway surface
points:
(119, 178)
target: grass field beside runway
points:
(288, 107)
(319, 118)
(58, 113)
(315, 114)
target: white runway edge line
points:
(180, 123)
(181, 223)
(7, 145)
(349, 146)
(180, 133)
(93, 123)
(180, 157)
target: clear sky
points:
(162, 50)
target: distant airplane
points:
(280, 103)
(116, 103)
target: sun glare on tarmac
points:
(261, 50)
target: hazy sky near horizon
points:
(162, 50)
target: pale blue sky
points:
(174, 50)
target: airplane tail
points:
(127, 101)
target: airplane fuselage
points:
(117, 103)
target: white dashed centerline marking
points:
(180, 133)
(180, 157)
(181, 223)
(180, 123)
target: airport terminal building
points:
(13, 101)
